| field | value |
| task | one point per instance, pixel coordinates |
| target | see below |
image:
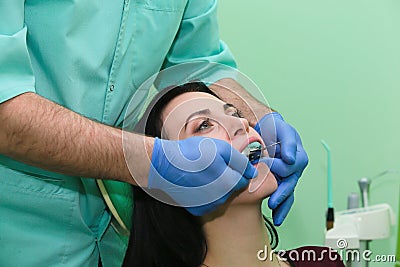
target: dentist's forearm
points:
(39, 132)
(232, 92)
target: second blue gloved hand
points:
(287, 162)
(198, 173)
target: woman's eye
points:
(237, 113)
(204, 125)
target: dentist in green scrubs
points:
(68, 70)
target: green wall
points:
(332, 68)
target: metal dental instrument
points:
(254, 150)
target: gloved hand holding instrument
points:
(198, 173)
(187, 170)
(287, 162)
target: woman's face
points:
(201, 114)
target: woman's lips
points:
(249, 141)
(254, 150)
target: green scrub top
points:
(89, 56)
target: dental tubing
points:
(330, 213)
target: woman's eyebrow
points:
(200, 112)
(228, 105)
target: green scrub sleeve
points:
(198, 39)
(16, 74)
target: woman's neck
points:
(237, 237)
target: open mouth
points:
(253, 151)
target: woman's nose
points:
(246, 125)
(238, 126)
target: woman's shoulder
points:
(312, 256)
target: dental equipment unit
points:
(355, 227)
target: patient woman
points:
(236, 234)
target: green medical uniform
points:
(89, 56)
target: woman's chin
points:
(265, 180)
(260, 187)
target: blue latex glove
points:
(198, 173)
(287, 162)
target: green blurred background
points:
(332, 68)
